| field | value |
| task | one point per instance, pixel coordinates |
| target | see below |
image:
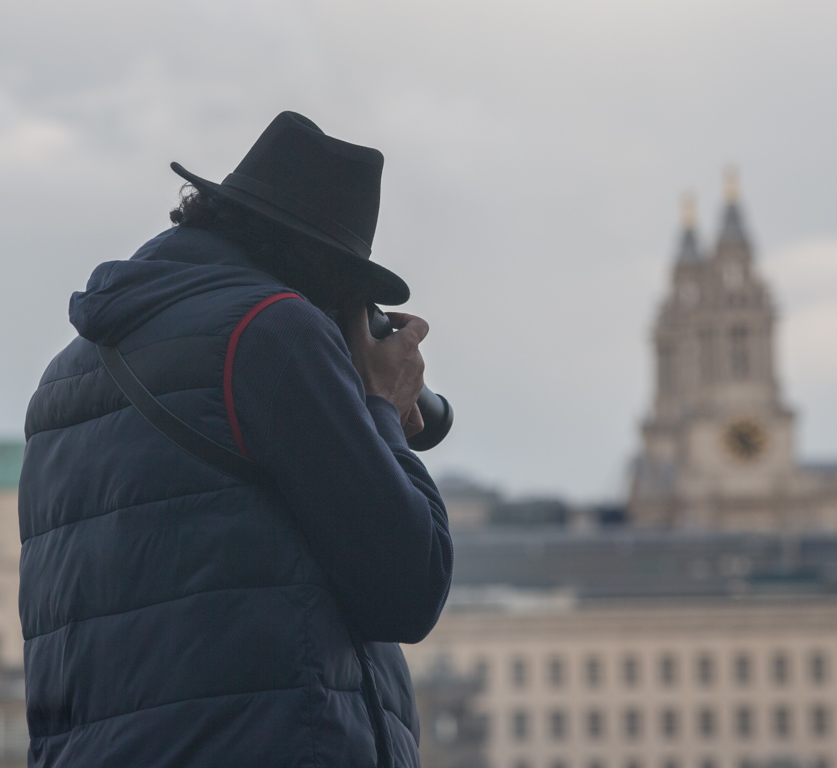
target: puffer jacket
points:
(171, 615)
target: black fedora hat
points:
(324, 188)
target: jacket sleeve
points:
(365, 504)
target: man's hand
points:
(393, 367)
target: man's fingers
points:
(402, 322)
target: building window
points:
(705, 670)
(739, 358)
(669, 723)
(482, 725)
(708, 368)
(818, 668)
(707, 723)
(557, 672)
(668, 670)
(820, 720)
(558, 724)
(633, 723)
(519, 673)
(630, 671)
(782, 722)
(781, 669)
(481, 674)
(593, 672)
(520, 725)
(733, 275)
(744, 725)
(595, 724)
(445, 728)
(742, 669)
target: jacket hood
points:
(123, 295)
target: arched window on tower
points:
(739, 357)
(708, 368)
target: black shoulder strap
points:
(179, 432)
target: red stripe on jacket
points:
(230, 359)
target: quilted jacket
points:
(175, 617)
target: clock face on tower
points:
(745, 439)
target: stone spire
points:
(689, 250)
(732, 222)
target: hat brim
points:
(385, 286)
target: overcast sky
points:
(535, 157)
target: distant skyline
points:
(536, 156)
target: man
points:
(174, 616)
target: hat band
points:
(303, 212)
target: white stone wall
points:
(683, 633)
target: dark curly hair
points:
(268, 244)
(291, 257)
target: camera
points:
(435, 410)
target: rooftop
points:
(622, 563)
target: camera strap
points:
(175, 429)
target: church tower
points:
(718, 443)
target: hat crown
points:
(339, 180)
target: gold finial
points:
(688, 215)
(731, 184)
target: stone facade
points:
(718, 445)
(659, 684)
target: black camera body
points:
(435, 410)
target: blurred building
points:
(472, 507)
(695, 629)
(453, 732)
(642, 649)
(718, 445)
